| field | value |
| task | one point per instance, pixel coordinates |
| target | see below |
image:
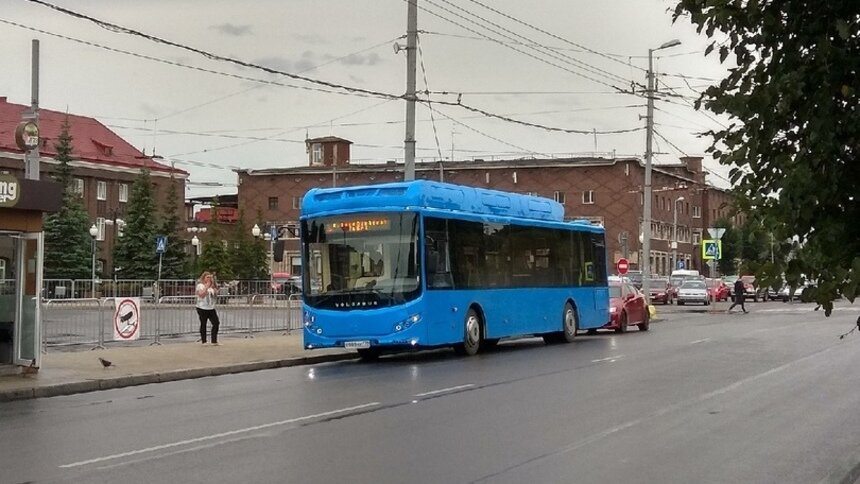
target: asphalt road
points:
(765, 397)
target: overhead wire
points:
(549, 33)
(535, 45)
(427, 91)
(454, 22)
(176, 64)
(125, 30)
(351, 90)
(525, 150)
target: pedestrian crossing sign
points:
(712, 249)
(160, 244)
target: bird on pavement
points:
(105, 363)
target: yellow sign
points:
(712, 249)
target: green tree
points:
(793, 143)
(68, 245)
(215, 257)
(248, 254)
(731, 245)
(135, 255)
(173, 261)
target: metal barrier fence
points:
(88, 321)
(151, 290)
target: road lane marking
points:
(690, 402)
(217, 436)
(444, 390)
(700, 341)
(610, 359)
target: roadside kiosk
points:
(23, 203)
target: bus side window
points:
(437, 254)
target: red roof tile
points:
(91, 140)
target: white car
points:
(786, 295)
(693, 292)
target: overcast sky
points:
(225, 119)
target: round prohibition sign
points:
(126, 319)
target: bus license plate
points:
(356, 344)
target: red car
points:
(718, 290)
(626, 308)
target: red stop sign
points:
(622, 265)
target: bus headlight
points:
(309, 318)
(407, 323)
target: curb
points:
(72, 388)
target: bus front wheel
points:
(472, 332)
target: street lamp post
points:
(675, 235)
(195, 243)
(256, 232)
(649, 136)
(94, 232)
(120, 225)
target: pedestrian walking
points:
(739, 296)
(207, 290)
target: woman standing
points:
(206, 292)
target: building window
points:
(641, 199)
(559, 197)
(78, 186)
(297, 202)
(588, 197)
(123, 192)
(100, 224)
(273, 203)
(2, 269)
(697, 212)
(316, 154)
(697, 237)
(101, 190)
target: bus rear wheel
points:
(472, 335)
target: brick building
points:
(104, 166)
(603, 190)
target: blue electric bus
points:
(425, 264)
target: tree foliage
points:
(173, 260)
(135, 256)
(793, 96)
(68, 245)
(247, 255)
(215, 257)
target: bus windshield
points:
(363, 260)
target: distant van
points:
(686, 273)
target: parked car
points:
(786, 294)
(717, 290)
(693, 291)
(659, 290)
(634, 278)
(284, 283)
(750, 288)
(730, 282)
(627, 308)
(674, 283)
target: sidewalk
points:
(65, 373)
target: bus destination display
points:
(358, 225)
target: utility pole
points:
(31, 157)
(411, 61)
(649, 138)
